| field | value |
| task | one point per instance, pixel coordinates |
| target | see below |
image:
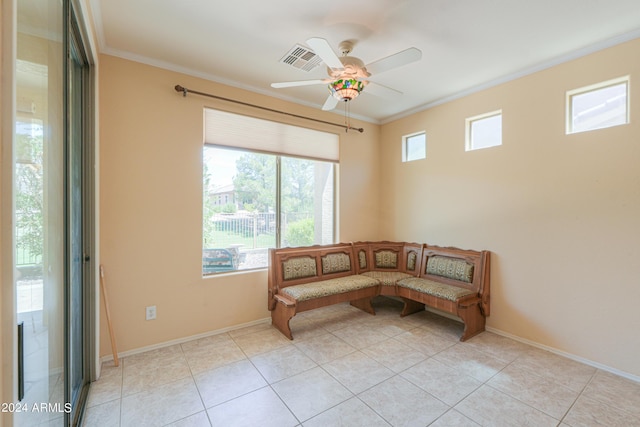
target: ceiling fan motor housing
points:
(354, 68)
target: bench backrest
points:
(295, 266)
(388, 256)
(459, 267)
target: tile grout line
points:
(533, 372)
(504, 355)
(395, 374)
(195, 383)
(580, 395)
(266, 381)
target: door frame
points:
(75, 33)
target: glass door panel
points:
(39, 208)
(50, 205)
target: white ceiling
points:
(465, 44)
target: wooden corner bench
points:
(452, 280)
(302, 279)
(388, 262)
(449, 279)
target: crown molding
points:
(579, 53)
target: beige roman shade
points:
(234, 130)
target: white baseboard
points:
(565, 354)
(488, 328)
(185, 339)
(547, 348)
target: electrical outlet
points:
(151, 312)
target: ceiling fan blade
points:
(322, 48)
(396, 60)
(299, 83)
(330, 103)
(382, 91)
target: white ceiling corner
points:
(466, 45)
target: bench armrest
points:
(284, 300)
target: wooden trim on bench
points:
(402, 250)
(454, 253)
(481, 282)
(277, 256)
(472, 309)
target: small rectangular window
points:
(414, 147)
(484, 131)
(598, 106)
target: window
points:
(271, 199)
(484, 131)
(598, 106)
(414, 147)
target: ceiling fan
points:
(348, 75)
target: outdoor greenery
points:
(297, 186)
(255, 181)
(300, 233)
(262, 240)
(29, 199)
(255, 187)
(208, 211)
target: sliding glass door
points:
(51, 199)
(39, 192)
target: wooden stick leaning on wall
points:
(103, 285)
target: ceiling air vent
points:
(301, 58)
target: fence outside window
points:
(241, 240)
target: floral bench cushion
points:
(362, 259)
(452, 268)
(386, 259)
(387, 278)
(437, 289)
(336, 263)
(412, 260)
(328, 287)
(299, 267)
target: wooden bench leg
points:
(280, 317)
(473, 319)
(364, 304)
(410, 307)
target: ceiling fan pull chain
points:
(346, 117)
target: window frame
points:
(278, 237)
(469, 121)
(570, 94)
(405, 146)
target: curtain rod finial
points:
(179, 88)
(348, 128)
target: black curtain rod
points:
(184, 91)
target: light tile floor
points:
(348, 368)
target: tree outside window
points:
(237, 234)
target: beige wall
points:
(561, 213)
(151, 203)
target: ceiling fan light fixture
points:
(346, 89)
